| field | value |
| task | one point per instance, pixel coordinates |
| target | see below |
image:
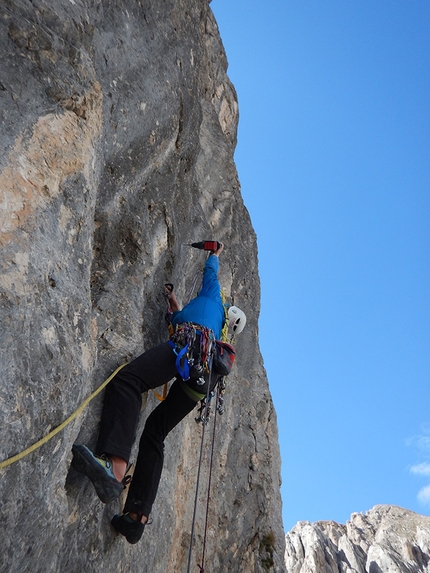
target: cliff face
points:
(387, 539)
(118, 132)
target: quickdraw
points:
(205, 409)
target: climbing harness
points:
(192, 361)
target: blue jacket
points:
(206, 308)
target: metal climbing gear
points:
(205, 409)
(192, 360)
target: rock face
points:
(118, 128)
(387, 539)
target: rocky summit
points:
(118, 129)
(386, 539)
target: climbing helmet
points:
(236, 319)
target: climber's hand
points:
(168, 290)
(219, 251)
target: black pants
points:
(120, 415)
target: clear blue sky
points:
(334, 160)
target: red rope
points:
(209, 485)
(198, 476)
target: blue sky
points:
(333, 157)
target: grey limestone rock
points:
(386, 539)
(118, 129)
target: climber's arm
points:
(171, 297)
(174, 306)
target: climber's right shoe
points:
(131, 529)
(99, 470)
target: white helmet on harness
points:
(236, 320)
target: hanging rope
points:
(204, 418)
(193, 286)
(202, 566)
(198, 475)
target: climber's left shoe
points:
(99, 470)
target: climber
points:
(198, 324)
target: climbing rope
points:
(193, 286)
(198, 476)
(76, 413)
(58, 429)
(202, 566)
(204, 417)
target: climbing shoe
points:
(131, 529)
(99, 470)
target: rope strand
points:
(202, 569)
(198, 475)
(58, 429)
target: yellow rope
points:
(58, 429)
(224, 332)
